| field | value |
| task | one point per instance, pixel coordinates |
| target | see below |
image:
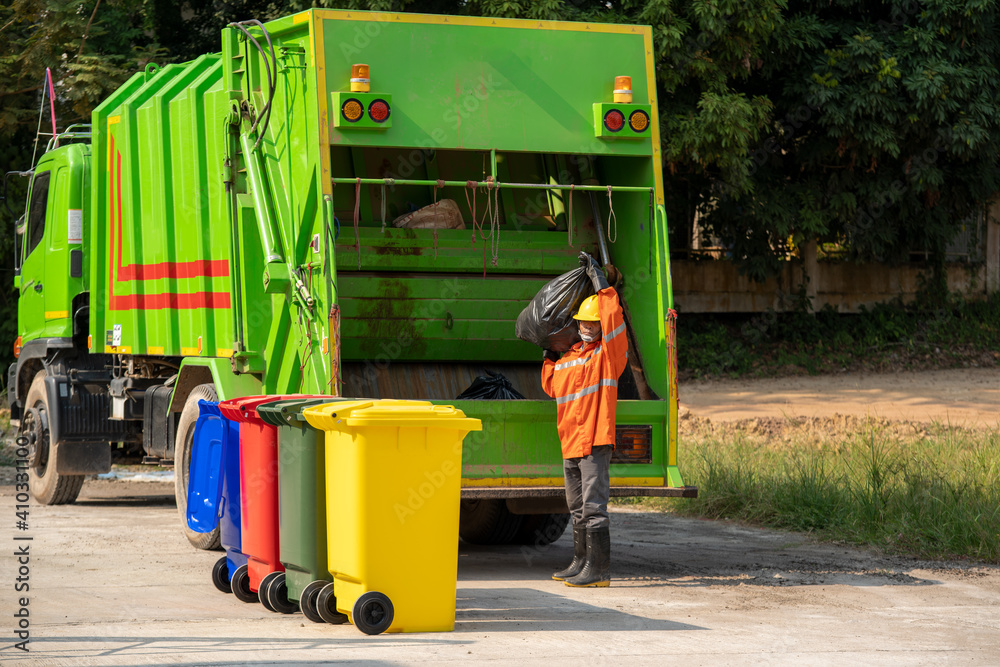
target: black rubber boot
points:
(579, 554)
(596, 570)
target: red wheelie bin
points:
(259, 497)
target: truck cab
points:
(63, 425)
(52, 273)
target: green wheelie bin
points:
(301, 507)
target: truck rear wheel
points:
(541, 529)
(47, 486)
(182, 463)
(487, 521)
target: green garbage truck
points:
(353, 204)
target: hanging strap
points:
(672, 349)
(495, 225)
(611, 217)
(383, 208)
(472, 185)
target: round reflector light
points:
(614, 120)
(638, 121)
(17, 347)
(378, 110)
(352, 110)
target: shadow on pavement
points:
(128, 501)
(657, 549)
(521, 609)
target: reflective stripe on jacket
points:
(584, 383)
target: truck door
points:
(49, 276)
(31, 305)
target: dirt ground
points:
(114, 582)
(967, 397)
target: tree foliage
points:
(884, 135)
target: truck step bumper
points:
(473, 492)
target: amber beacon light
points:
(623, 90)
(360, 80)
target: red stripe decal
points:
(111, 208)
(204, 268)
(121, 238)
(200, 268)
(171, 301)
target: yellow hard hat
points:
(589, 311)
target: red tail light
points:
(614, 120)
(378, 111)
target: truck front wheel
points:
(47, 486)
(182, 463)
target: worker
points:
(584, 382)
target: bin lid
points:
(283, 413)
(205, 471)
(244, 409)
(377, 412)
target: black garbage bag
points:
(490, 387)
(548, 320)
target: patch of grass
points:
(8, 455)
(930, 492)
(887, 337)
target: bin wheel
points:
(241, 585)
(326, 606)
(220, 575)
(277, 596)
(265, 583)
(307, 601)
(373, 613)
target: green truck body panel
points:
(265, 263)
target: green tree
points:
(885, 133)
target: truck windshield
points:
(36, 214)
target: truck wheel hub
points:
(35, 429)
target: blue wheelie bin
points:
(214, 493)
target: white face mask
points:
(588, 338)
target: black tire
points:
(487, 521)
(241, 585)
(262, 593)
(220, 575)
(47, 486)
(307, 602)
(182, 464)
(373, 613)
(277, 596)
(326, 606)
(541, 529)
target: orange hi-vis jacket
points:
(584, 383)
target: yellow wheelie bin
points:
(393, 486)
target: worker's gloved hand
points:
(594, 272)
(550, 355)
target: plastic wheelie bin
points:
(301, 508)
(393, 486)
(214, 493)
(259, 486)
